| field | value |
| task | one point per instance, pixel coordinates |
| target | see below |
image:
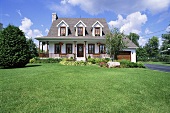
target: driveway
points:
(158, 67)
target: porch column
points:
(60, 48)
(75, 50)
(39, 49)
(85, 49)
(42, 47)
(47, 46)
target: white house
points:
(80, 38)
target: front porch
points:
(74, 56)
(78, 50)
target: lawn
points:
(54, 88)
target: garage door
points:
(124, 55)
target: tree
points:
(141, 54)
(114, 42)
(134, 37)
(32, 48)
(152, 47)
(14, 49)
(166, 42)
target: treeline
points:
(151, 50)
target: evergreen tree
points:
(14, 49)
(32, 48)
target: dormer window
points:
(80, 28)
(97, 28)
(62, 28)
(62, 31)
(80, 31)
(97, 31)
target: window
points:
(63, 31)
(69, 48)
(97, 31)
(57, 49)
(102, 49)
(91, 48)
(80, 31)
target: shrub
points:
(75, 63)
(92, 60)
(89, 57)
(14, 49)
(33, 60)
(128, 64)
(164, 58)
(102, 64)
(97, 60)
(107, 59)
(48, 60)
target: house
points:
(80, 38)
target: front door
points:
(80, 50)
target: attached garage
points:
(124, 55)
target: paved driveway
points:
(158, 67)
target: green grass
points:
(54, 88)
(158, 63)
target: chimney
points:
(54, 16)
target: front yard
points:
(57, 88)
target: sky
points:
(147, 18)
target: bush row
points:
(48, 60)
(162, 58)
(128, 64)
(75, 63)
(165, 58)
(101, 62)
(98, 60)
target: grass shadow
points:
(27, 66)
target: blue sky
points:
(145, 17)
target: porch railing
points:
(64, 55)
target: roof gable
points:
(62, 22)
(81, 23)
(53, 32)
(97, 22)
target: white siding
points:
(133, 53)
(51, 47)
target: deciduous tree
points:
(152, 47)
(114, 43)
(134, 37)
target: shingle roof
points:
(129, 43)
(73, 21)
(53, 32)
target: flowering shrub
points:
(102, 64)
(75, 63)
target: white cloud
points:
(142, 41)
(95, 7)
(46, 30)
(156, 6)
(26, 28)
(19, 12)
(147, 31)
(63, 8)
(132, 23)
(168, 29)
